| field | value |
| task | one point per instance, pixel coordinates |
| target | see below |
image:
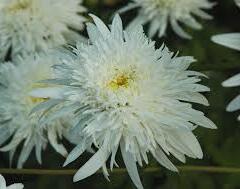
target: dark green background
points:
(221, 147)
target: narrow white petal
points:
(2, 182)
(131, 166)
(190, 142)
(53, 139)
(103, 29)
(179, 30)
(163, 160)
(231, 40)
(75, 153)
(232, 82)
(95, 163)
(234, 104)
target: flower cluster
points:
(118, 91)
(28, 26)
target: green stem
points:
(209, 169)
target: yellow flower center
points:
(120, 81)
(18, 5)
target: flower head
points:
(231, 40)
(161, 12)
(126, 94)
(13, 186)
(28, 26)
(16, 84)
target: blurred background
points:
(221, 147)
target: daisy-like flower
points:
(16, 123)
(13, 186)
(159, 13)
(231, 40)
(28, 26)
(126, 94)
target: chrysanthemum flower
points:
(16, 123)
(13, 186)
(159, 13)
(231, 40)
(28, 26)
(126, 94)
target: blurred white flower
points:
(159, 13)
(13, 186)
(28, 26)
(126, 94)
(16, 123)
(231, 40)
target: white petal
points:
(131, 166)
(163, 160)
(190, 141)
(232, 82)
(53, 139)
(93, 32)
(75, 153)
(15, 186)
(117, 27)
(103, 29)
(25, 154)
(234, 104)
(231, 40)
(2, 182)
(179, 30)
(95, 163)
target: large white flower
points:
(28, 26)
(13, 186)
(16, 123)
(231, 40)
(126, 94)
(161, 12)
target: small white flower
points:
(16, 84)
(126, 94)
(231, 40)
(28, 26)
(13, 186)
(159, 13)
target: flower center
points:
(18, 5)
(119, 81)
(122, 79)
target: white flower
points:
(231, 40)
(16, 83)
(28, 26)
(126, 94)
(13, 186)
(159, 13)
